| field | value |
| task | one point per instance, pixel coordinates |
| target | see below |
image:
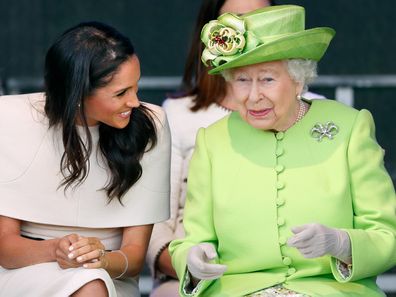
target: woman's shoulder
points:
(156, 109)
(22, 110)
(177, 105)
(32, 97)
(181, 117)
(158, 112)
(340, 115)
(23, 127)
(22, 102)
(334, 107)
(160, 120)
(220, 128)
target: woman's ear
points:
(299, 88)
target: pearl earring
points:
(299, 97)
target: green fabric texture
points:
(271, 33)
(248, 187)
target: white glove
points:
(198, 262)
(315, 240)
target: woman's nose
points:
(254, 93)
(133, 100)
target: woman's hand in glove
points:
(315, 240)
(198, 262)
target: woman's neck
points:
(301, 109)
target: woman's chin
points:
(260, 123)
(120, 124)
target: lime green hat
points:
(267, 34)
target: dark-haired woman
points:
(84, 172)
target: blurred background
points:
(358, 69)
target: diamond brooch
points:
(319, 131)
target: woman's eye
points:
(242, 79)
(121, 94)
(267, 79)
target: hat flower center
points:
(224, 38)
(226, 41)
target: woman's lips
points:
(259, 113)
(125, 114)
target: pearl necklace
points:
(302, 110)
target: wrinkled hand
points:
(62, 251)
(89, 252)
(315, 240)
(198, 262)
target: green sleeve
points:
(198, 214)
(373, 241)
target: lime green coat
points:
(248, 187)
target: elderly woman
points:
(286, 197)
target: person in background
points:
(84, 172)
(286, 196)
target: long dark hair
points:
(83, 59)
(205, 88)
(196, 81)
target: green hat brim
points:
(307, 44)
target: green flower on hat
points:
(225, 39)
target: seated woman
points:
(84, 172)
(285, 197)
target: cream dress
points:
(29, 178)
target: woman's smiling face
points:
(265, 95)
(113, 103)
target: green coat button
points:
(280, 185)
(279, 151)
(279, 168)
(280, 135)
(287, 261)
(291, 271)
(280, 201)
